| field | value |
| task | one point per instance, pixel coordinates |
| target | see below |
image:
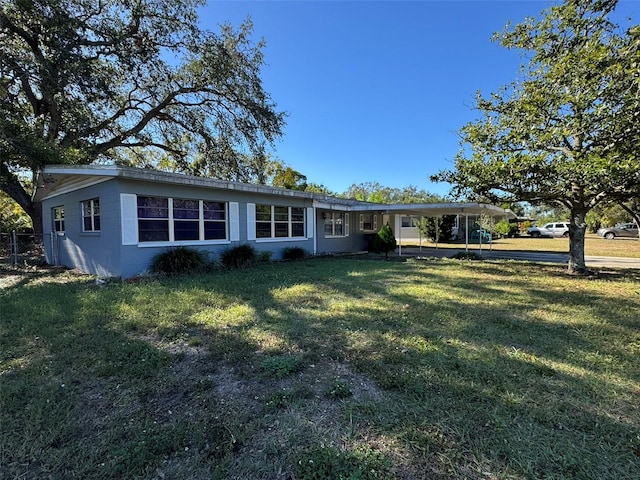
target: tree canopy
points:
(565, 133)
(121, 81)
(377, 193)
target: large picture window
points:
(177, 220)
(336, 224)
(279, 222)
(91, 215)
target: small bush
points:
(293, 253)
(466, 256)
(384, 241)
(238, 257)
(265, 256)
(179, 260)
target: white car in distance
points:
(553, 229)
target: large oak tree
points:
(85, 81)
(566, 133)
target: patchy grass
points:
(328, 368)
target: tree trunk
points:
(35, 212)
(577, 230)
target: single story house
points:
(111, 220)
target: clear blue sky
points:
(376, 90)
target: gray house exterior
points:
(111, 221)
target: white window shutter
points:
(234, 221)
(375, 222)
(129, 218)
(251, 221)
(310, 223)
(361, 222)
(346, 224)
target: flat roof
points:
(55, 180)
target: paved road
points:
(607, 262)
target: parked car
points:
(481, 235)
(620, 230)
(554, 229)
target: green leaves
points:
(85, 81)
(567, 132)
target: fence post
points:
(14, 247)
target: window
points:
(91, 215)
(408, 221)
(336, 224)
(215, 220)
(153, 219)
(368, 222)
(279, 222)
(186, 219)
(178, 220)
(58, 219)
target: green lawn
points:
(327, 368)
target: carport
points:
(464, 210)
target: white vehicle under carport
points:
(554, 229)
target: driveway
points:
(543, 257)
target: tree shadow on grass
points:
(464, 387)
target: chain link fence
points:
(22, 249)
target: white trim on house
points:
(251, 221)
(129, 218)
(234, 221)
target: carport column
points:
(466, 233)
(315, 230)
(398, 222)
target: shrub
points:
(293, 253)
(265, 256)
(179, 260)
(238, 257)
(466, 256)
(384, 241)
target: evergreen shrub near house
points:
(241, 256)
(265, 256)
(384, 241)
(294, 253)
(179, 260)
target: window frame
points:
(330, 219)
(278, 219)
(373, 221)
(173, 219)
(92, 216)
(58, 220)
(411, 218)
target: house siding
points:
(115, 250)
(137, 258)
(90, 252)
